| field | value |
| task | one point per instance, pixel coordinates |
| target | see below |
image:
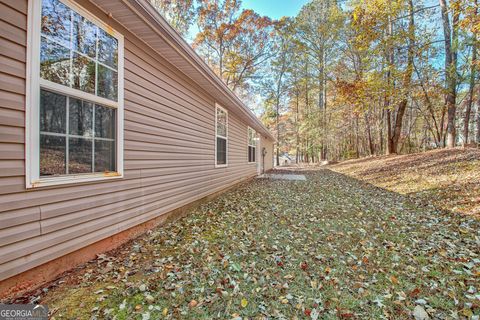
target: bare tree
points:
(450, 31)
(466, 127)
(407, 79)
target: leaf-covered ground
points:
(326, 248)
(447, 178)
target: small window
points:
(221, 136)
(75, 102)
(252, 145)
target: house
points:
(285, 160)
(110, 124)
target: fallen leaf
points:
(244, 303)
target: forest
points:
(346, 78)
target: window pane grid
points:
(47, 37)
(251, 153)
(76, 69)
(251, 137)
(79, 75)
(221, 123)
(252, 145)
(67, 149)
(93, 142)
(221, 151)
(221, 130)
(96, 77)
(70, 45)
(78, 150)
(54, 134)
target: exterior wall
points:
(168, 155)
(268, 145)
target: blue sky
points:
(274, 8)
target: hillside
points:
(447, 179)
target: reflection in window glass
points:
(80, 117)
(104, 122)
(107, 83)
(104, 156)
(56, 21)
(79, 155)
(52, 112)
(252, 143)
(54, 62)
(84, 36)
(221, 151)
(52, 155)
(221, 123)
(251, 154)
(251, 137)
(76, 136)
(70, 46)
(221, 117)
(83, 70)
(107, 49)
(221, 131)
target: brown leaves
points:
(304, 266)
(224, 259)
(414, 293)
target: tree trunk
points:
(297, 141)
(407, 79)
(478, 118)
(468, 111)
(390, 147)
(466, 127)
(357, 138)
(380, 126)
(369, 135)
(390, 61)
(278, 132)
(451, 37)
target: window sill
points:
(221, 165)
(73, 179)
(254, 162)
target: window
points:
(221, 136)
(75, 96)
(252, 145)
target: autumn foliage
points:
(345, 79)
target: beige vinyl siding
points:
(268, 145)
(168, 156)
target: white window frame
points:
(251, 145)
(33, 85)
(217, 106)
